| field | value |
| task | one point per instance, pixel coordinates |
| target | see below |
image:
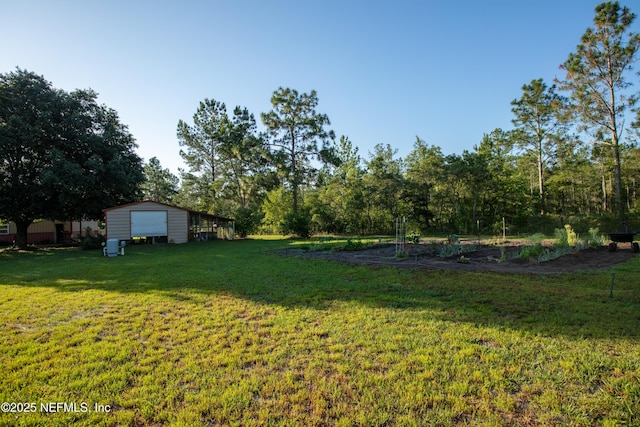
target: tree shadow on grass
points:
(573, 305)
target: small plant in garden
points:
(572, 236)
(557, 252)
(566, 236)
(450, 247)
(352, 245)
(531, 251)
(413, 238)
(560, 235)
(596, 239)
(463, 260)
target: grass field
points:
(229, 333)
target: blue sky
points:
(385, 72)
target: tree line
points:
(571, 157)
(567, 159)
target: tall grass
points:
(230, 333)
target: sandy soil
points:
(484, 258)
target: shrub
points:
(91, 241)
(531, 251)
(559, 251)
(595, 238)
(413, 238)
(572, 236)
(352, 245)
(452, 246)
(298, 223)
(565, 237)
(247, 221)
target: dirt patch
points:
(479, 257)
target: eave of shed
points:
(203, 215)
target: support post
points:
(613, 278)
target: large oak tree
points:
(62, 156)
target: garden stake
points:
(613, 277)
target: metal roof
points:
(191, 211)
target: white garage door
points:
(148, 223)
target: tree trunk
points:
(541, 179)
(294, 171)
(21, 233)
(618, 179)
(604, 192)
(616, 150)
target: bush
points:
(565, 237)
(413, 238)
(595, 238)
(353, 245)
(247, 221)
(532, 251)
(297, 223)
(91, 241)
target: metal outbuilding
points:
(162, 222)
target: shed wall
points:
(119, 221)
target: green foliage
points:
(295, 129)
(540, 122)
(297, 223)
(413, 238)
(531, 251)
(91, 241)
(160, 184)
(556, 252)
(225, 159)
(464, 260)
(561, 239)
(382, 188)
(447, 250)
(597, 78)
(572, 236)
(596, 239)
(503, 256)
(337, 203)
(247, 220)
(63, 155)
(276, 205)
(424, 167)
(356, 244)
(353, 245)
(566, 236)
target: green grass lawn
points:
(229, 333)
